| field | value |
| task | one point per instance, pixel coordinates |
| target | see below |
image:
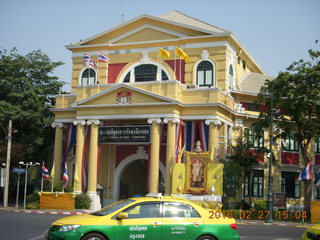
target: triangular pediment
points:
(145, 28)
(124, 95)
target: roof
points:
(176, 16)
(252, 82)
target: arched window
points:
(231, 77)
(88, 76)
(205, 74)
(146, 73)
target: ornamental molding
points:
(57, 124)
(151, 120)
(173, 120)
(214, 121)
(81, 122)
(95, 122)
(204, 55)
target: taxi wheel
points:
(94, 236)
(206, 237)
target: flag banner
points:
(102, 57)
(178, 139)
(88, 60)
(194, 131)
(182, 54)
(306, 174)
(69, 142)
(65, 176)
(44, 172)
(164, 53)
(317, 180)
(84, 174)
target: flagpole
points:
(41, 184)
(175, 59)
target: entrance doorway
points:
(133, 180)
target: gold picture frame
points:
(197, 172)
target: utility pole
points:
(6, 187)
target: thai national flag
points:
(103, 58)
(44, 172)
(86, 57)
(65, 176)
(317, 180)
(93, 64)
(306, 174)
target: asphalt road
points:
(33, 226)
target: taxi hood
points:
(84, 219)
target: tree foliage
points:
(27, 89)
(296, 101)
(296, 106)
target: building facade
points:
(127, 118)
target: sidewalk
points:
(275, 223)
(46, 211)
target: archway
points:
(141, 155)
(133, 180)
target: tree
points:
(27, 89)
(296, 106)
(243, 159)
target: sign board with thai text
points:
(124, 134)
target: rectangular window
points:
(200, 78)
(317, 193)
(257, 184)
(290, 184)
(255, 138)
(290, 143)
(209, 78)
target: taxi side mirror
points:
(122, 215)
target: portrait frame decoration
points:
(197, 172)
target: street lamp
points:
(270, 179)
(26, 179)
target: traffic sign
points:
(19, 170)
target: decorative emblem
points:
(124, 97)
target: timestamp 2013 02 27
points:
(258, 215)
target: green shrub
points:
(260, 205)
(33, 200)
(33, 205)
(82, 201)
(58, 187)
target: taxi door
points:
(180, 222)
(143, 222)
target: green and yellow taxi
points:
(312, 233)
(149, 218)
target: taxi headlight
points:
(66, 228)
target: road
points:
(33, 226)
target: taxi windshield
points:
(112, 207)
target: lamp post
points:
(6, 187)
(26, 179)
(270, 180)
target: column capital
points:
(95, 122)
(151, 120)
(57, 124)
(81, 122)
(214, 121)
(173, 120)
(238, 123)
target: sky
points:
(275, 32)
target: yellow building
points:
(169, 81)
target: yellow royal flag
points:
(182, 54)
(164, 53)
(52, 172)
